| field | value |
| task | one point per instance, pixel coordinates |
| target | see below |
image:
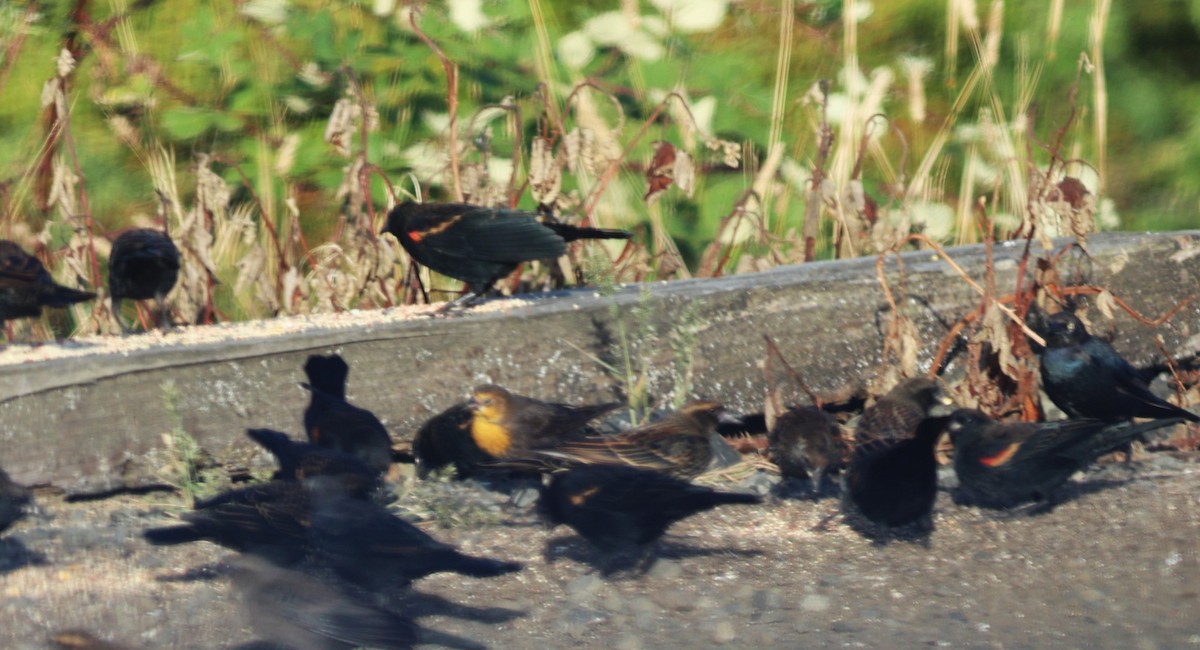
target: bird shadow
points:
(801, 489)
(1064, 494)
(15, 555)
(633, 561)
(418, 604)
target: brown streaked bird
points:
(895, 416)
(26, 286)
(680, 444)
(330, 421)
(144, 264)
(506, 424)
(806, 442)
(479, 245)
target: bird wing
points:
(18, 268)
(481, 233)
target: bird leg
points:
(116, 312)
(460, 304)
(164, 313)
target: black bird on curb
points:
(300, 460)
(330, 421)
(616, 507)
(1005, 464)
(299, 611)
(13, 500)
(26, 286)
(479, 245)
(144, 264)
(806, 443)
(893, 482)
(682, 444)
(1086, 378)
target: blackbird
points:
(1004, 464)
(144, 264)
(893, 481)
(13, 499)
(479, 245)
(299, 611)
(1086, 378)
(26, 285)
(445, 439)
(806, 443)
(299, 461)
(506, 424)
(330, 421)
(616, 507)
(681, 444)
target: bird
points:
(26, 286)
(682, 444)
(300, 460)
(296, 610)
(893, 481)
(1006, 464)
(806, 442)
(617, 507)
(445, 439)
(330, 421)
(507, 424)
(144, 264)
(13, 500)
(895, 415)
(1086, 378)
(480, 245)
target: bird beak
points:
(728, 417)
(473, 405)
(944, 406)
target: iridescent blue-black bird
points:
(1004, 464)
(26, 286)
(1086, 378)
(144, 264)
(331, 421)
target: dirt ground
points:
(1117, 566)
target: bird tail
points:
(572, 233)
(62, 296)
(1113, 437)
(484, 567)
(171, 535)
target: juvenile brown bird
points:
(895, 416)
(299, 611)
(507, 424)
(13, 499)
(330, 421)
(681, 444)
(26, 286)
(616, 507)
(806, 443)
(1005, 464)
(144, 264)
(479, 245)
(299, 461)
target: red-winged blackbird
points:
(13, 499)
(806, 443)
(895, 416)
(681, 444)
(1086, 378)
(1004, 464)
(299, 461)
(288, 522)
(481, 245)
(26, 285)
(893, 482)
(298, 611)
(144, 264)
(330, 421)
(82, 640)
(506, 424)
(616, 507)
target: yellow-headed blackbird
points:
(1086, 378)
(331, 421)
(895, 416)
(894, 481)
(681, 444)
(1004, 464)
(82, 640)
(26, 285)
(506, 424)
(13, 499)
(616, 507)
(299, 461)
(480, 245)
(144, 264)
(296, 610)
(806, 443)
